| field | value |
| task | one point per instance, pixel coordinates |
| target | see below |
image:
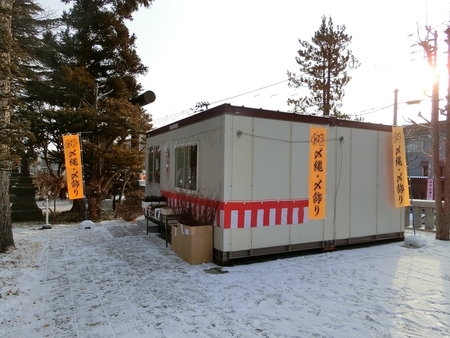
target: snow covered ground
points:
(116, 281)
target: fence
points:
(423, 214)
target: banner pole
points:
(84, 178)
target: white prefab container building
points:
(257, 161)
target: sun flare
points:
(418, 79)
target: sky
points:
(217, 51)
(116, 281)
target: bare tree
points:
(441, 196)
(443, 220)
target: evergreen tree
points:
(21, 35)
(29, 26)
(6, 235)
(324, 66)
(94, 70)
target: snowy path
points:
(115, 281)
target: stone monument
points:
(24, 207)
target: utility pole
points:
(431, 56)
(436, 170)
(447, 107)
(395, 106)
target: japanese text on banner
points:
(401, 188)
(74, 174)
(317, 173)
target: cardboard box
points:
(194, 244)
(175, 238)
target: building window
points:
(186, 167)
(425, 167)
(154, 165)
(414, 147)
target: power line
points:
(370, 111)
(188, 110)
(252, 91)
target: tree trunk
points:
(6, 234)
(95, 205)
(443, 229)
(121, 194)
(442, 209)
(78, 206)
(436, 167)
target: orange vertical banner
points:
(317, 172)
(74, 172)
(401, 187)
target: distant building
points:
(418, 140)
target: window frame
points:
(415, 146)
(154, 163)
(186, 174)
